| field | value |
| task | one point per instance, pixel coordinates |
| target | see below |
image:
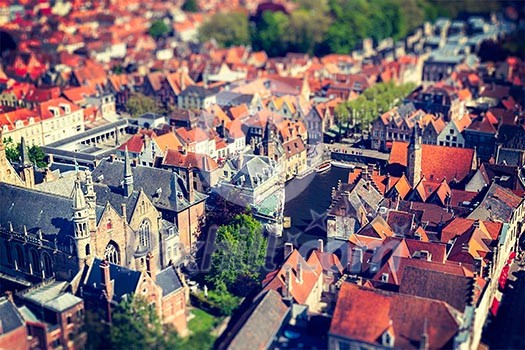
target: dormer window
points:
(388, 338)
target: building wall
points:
(15, 340)
(174, 311)
(61, 127)
(71, 323)
(32, 133)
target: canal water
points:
(307, 200)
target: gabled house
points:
(298, 280)
(400, 321)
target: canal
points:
(306, 202)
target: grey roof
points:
(254, 171)
(10, 317)
(257, 328)
(53, 297)
(168, 280)
(150, 180)
(200, 91)
(37, 211)
(125, 281)
(406, 109)
(498, 205)
(115, 197)
(27, 314)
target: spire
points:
(128, 175)
(24, 154)
(79, 201)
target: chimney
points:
(299, 272)
(357, 261)
(123, 208)
(320, 245)
(150, 266)
(106, 279)
(288, 281)
(191, 190)
(9, 296)
(288, 249)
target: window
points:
(48, 267)
(343, 345)
(9, 254)
(109, 225)
(384, 277)
(69, 321)
(112, 253)
(20, 258)
(88, 249)
(144, 233)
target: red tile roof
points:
(312, 272)
(403, 315)
(435, 160)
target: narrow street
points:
(507, 330)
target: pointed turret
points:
(414, 157)
(25, 168)
(24, 154)
(79, 200)
(128, 175)
(81, 221)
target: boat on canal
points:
(323, 167)
(344, 165)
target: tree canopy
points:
(36, 155)
(158, 29)
(333, 26)
(190, 6)
(239, 255)
(372, 102)
(228, 29)
(139, 104)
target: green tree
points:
(190, 6)
(269, 32)
(306, 30)
(135, 325)
(36, 154)
(138, 104)
(239, 255)
(158, 29)
(228, 29)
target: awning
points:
(389, 144)
(503, 277)
(494, 307)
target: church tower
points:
(25, 168)
(81, 221)
(91, 200)
(128, 175)
(414, 157)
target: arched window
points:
(144, 233)
(112, 253)
(35, 262)
(8, 252)
(48, 266)
(109, 225)
(20, 258)
(88, 249)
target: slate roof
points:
(404, 315)
(254, 171)
(10, 317)
(452, 289)
(260, 324)
(169, 281)
(170, 184)
(498, 205)
(125, 281)
(37, 210)
(53, 296)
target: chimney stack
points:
(106, 279)
(288, 281)
(288, 249)
(320, 245)
(299, 272)
(150, 266)
(9, 295)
